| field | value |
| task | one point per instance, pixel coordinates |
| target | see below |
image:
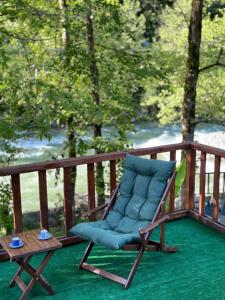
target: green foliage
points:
(170, 54)
(6, 220)
(181, 172)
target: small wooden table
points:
(23, 255)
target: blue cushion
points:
(141, 189)
(97, 233)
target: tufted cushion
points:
(141, 189)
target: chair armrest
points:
(152, 226)
(95, 210)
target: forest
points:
(86, 65)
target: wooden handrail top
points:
(83, 160)
(208, 149)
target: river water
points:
(146, 134)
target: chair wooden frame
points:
(146, 244)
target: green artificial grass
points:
(196, 271)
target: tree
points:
(170, 56)
(54, 74)
(190, 85)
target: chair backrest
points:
(141, 189)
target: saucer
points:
(21, 244)
(47, 238)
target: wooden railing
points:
(208, 184)
(190, 150)
(218, 154)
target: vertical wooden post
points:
(68, 199)
(17, 207)
(202, 184)
(43, 196)
(208, 181)
(91, 188)
(172, 191)
(190, 179)
(154, 156)
(112, 176)
(216, 185)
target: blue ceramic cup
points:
(44, 234)
(15, 241)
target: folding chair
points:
(136, 208)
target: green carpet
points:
(196, 271)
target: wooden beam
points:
(178, 214)
(208, 149)
(68, 199)
(207, 221)
(202, 184)
(216, 185)
(83, 160)
(113, 182)
(91, 189)
(43, 196)
(172, 191)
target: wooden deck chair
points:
(136, 208)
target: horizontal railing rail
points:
(82, 160)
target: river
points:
(146, 134)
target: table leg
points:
(36, 276)
(19, 272)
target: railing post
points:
(112, 176)
(68, 199)
(202, 184)
(172, 191)
(91, 188)
(190, 179)
(43, 196)
(17, 207)
(216, 184)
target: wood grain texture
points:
(202, 184)
(216, 183)
(112, 170)
(91, 188)
(31, 244)
(68, 200)
(190, 179)
(43, 196)
(83, 160)
(172, 191)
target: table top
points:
(31, 244)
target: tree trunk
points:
(100, 184)
(194, 43)
(72, 152)
(71, 134)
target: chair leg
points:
(134, 268)
(86, 254)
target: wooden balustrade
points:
(90, 161)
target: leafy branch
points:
(217, 63)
